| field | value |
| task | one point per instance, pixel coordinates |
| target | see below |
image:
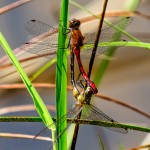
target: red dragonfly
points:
(80, 44)
(77, 41)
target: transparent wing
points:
(107, 35)
(36, 27)
(78, 110)
(46, 39)
(47, 47)
(93, 113)
(73, 112)
(86, 53)
(108, 31)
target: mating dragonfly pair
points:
(81, 47)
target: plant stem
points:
(61, 77)
(80, 121)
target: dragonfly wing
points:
(107, 35)
(42, 48)
(45, 42)
(93, 113)
(101, 49)
(36, 27)
(108, 31)
(74, 111)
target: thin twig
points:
(110, 99)
(115, 14)
(22, 86)
(13, 5)
(97, 38)
(140, 147)
(23, 136)
(21, 108)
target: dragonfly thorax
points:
(85, 96)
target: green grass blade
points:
(61, 78)
(101, 142)
(119, 44)
(42, 69)
(70, 133)
(40, 106)
(81, 121)
(121, 147)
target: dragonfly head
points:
(74, 24)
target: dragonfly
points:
(80, 44)
(77, 43)
(88, 110)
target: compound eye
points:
(71, 23)
(77, 23)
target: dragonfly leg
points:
(66, 30)
(79, 82)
